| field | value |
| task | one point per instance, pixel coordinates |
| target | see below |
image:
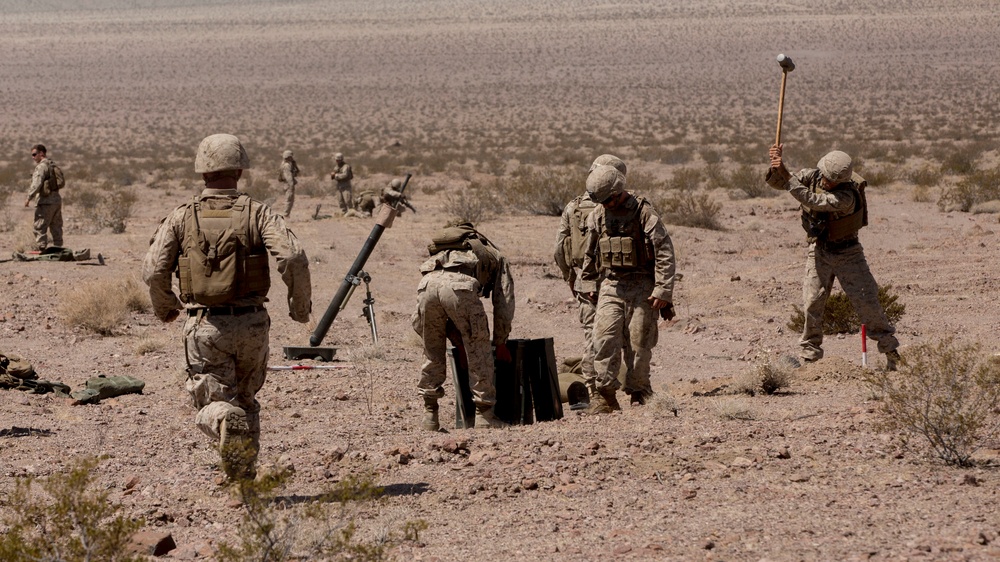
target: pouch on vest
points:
(54, 182)
(574, 245)
(451, 238)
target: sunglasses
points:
(34, 154)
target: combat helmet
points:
(286, 154)
(605, 182)
(836, 166)
(610, 160)
(217, 153)
(339, 157)
(396, 183)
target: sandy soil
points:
(808, 477)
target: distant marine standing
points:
(46, 181)
(342, 174)
(288, 174)
(218, 246)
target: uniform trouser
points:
(849, 267)
(48, 218)
(444, 296)
(228, 364)
(588, 310)
(289, 198)
(624, 316)
(345, 197)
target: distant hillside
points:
(21, 7)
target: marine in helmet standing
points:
(288, 174)
(464, 266)
(834, 208)
(569, 254)
(343, 175)
(628, 245)
(218, 246)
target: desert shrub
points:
(921, 194)
(839, 316)
(73, 524)
(257, 188)
(685, 179)
(750, 181)
(660, 153)
(323, 528)
(689, 209)
(734, 408)
(116, 207)
(102, 306)
(643, 183)
(883, 175)
(475, 203)
(541, 191)
(925, 176)
(763, 378)
(946, 393)
(978, 187)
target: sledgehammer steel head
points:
(785, 62)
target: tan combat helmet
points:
(604, 183)
(286, 154)
(221, 152)
(339, 157)
(396, 184)
(610, 160)
(836, 166)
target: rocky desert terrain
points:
(469, 97)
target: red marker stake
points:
(864, 345)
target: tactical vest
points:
(574, 245)
(820, 226)
(224, 257)
(623, 244)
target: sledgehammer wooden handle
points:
(781, 108)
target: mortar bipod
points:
(368, 311)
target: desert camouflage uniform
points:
(48, 208)
(843, 260)
(226, 345)
(574, 274)
(288, 174)
(453, 282)
(345, 196)
(366, 201)
(622, 306)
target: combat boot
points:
(430, 422)
(486, 419)
(603, 401)
(891, 360)
(236, 447)
(640, 398)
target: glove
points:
(667, 312)
(503, 354)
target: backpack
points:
(55, 181)
(573, 245)
(217, 266)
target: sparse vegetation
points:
(839, 316)
(73, 524)
(978, 187)
(947, 393)
(474, 204)
(734, 408)
(689, 209)
(103, 306)
(763, 378)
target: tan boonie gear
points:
(223, 256)
(54, 180)
(622, 244)
(575, 245)
(834, 227)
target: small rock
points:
(342, 396)
(970, 480)
(132, 482)
(783, 454)
(800, 477)
(529, 484)
(741, 462)
(156, 543)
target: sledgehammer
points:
(786, 64)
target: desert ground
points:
(469, 96)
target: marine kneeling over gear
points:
(464, 266)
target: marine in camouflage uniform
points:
(568, 255)
(367, 200)
(456, 276)
(288, 174)
(226, 343)
(343, 175)
(48, 207)
(833, 210)
(628, 244)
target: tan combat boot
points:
(603, 401)
(486, 419)
(891, 360)
(430, 422)
(236, 447)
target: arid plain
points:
(469, 96)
